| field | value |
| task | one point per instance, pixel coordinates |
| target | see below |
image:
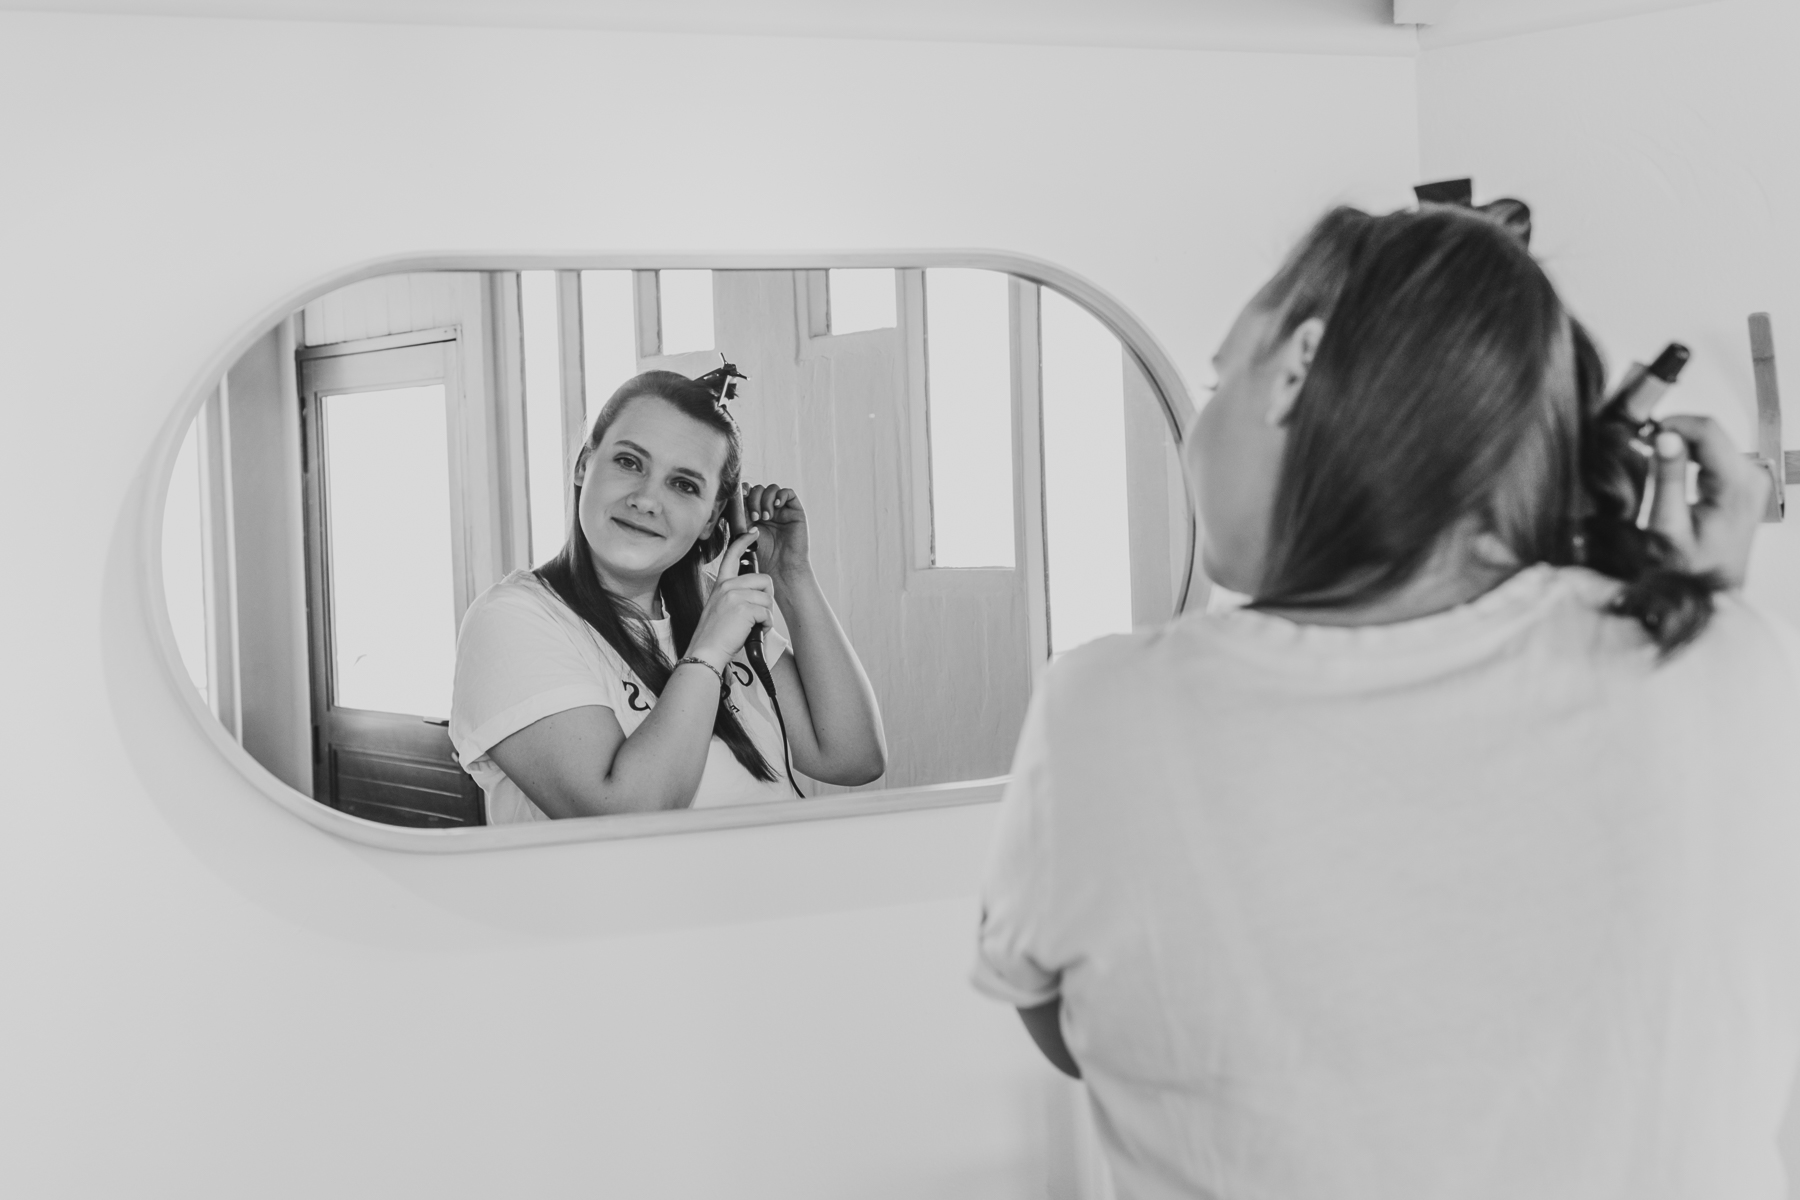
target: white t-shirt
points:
(1482, 905)
(522, 654)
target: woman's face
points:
(649, 491)
(1231, 453)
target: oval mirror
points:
(987, 470)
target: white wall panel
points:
(1654, 152)
(206, 997)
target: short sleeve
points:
(1016, 894)
(517, 663)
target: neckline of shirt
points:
(1494, 614)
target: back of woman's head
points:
(1450, 391)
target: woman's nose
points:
(642, 501)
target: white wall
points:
(1657, 153)
(205, 997)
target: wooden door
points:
(950, 652)
(386, 576)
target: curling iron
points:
(722, 381)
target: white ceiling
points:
(1328, 26)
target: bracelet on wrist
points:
(719, 671)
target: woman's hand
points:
(1714, 533)
(737, 605)
(775, 511)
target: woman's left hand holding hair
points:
(833, 722)
(1714, 533)
(776, 511)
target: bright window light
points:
(184, 562)
(687, 310)
(968, 374)
(544, 459)
(608, 337)
(1085, 509)
(861, 298)
(393, 608)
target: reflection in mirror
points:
(859, 298)
(968, 417)
(384, 461)
(988, 478)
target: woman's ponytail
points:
(1672, 603)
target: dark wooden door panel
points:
(403, 791)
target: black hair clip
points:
(721, 381)
(1514, 215)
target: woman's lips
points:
(637, 529)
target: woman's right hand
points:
(1714, 533)
(738, 604)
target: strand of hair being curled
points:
(1672, 603)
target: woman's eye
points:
(687, 485)
(626, 461)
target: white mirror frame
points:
(1137, 340)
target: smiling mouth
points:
(638, 529)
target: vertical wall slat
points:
(570, 347)
(1032, 551)
(1148, 505)
(648, 290)
(219, 563)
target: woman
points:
(1448, 867)
(613, 678)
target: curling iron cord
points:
(753, 645)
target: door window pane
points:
(608, 337)
(968, 372)
(1086, 531)
(387, 488)
(861, 299)
(687, 310)
(543, 410)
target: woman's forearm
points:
(659, 765)
(845, 721)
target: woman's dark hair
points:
(1450, 383)
(571, 574)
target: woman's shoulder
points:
(1745, 639)
(1559, 612)
(1740, 627)
(522, 585)
(519, 605)
(1117, 662)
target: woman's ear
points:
(717, 536)
(581, 462)
(1489, 550)
(1293, 362)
